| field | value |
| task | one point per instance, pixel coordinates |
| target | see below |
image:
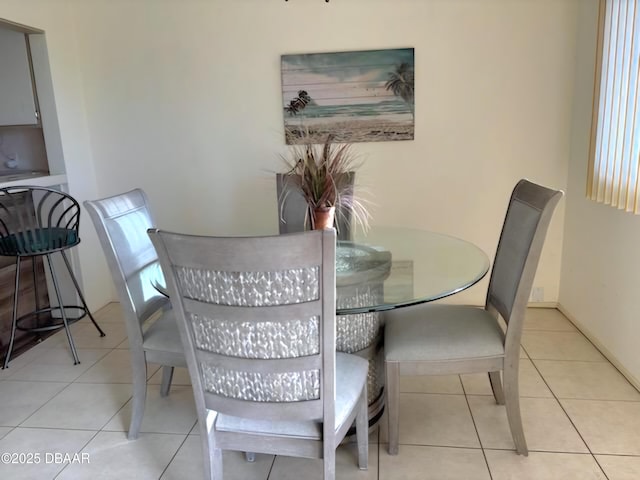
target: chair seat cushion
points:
(441, 332)
(351, 375)
(38, 241)
(163, 335)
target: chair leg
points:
(139, 370)
(392, 400)
(75, 283)
(496, 386)
(512, 404)
(362, 430)
(56, 287)
(14, 316)
(167, 376)
(211, 452)
(215, 459)
(329, 459)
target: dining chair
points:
(121, 222)
(293, 211)
(453, 339)
(40, 222)
(257, 317)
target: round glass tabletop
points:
(391, 267)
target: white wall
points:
(183, 99)
(601, 259)
(54, 17)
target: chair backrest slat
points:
(254, 332)
(277, 312)
(273, 365)
(257, 319)
(242, 254)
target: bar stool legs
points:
(56, 287)
(63, 313)
(84, 304)
(14, 317)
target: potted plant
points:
(324, 176)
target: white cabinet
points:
(17, 99)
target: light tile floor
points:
(581, 418)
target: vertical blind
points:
(614, 167)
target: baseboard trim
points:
(592, 338)
(542, 305)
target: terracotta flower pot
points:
(323, 217)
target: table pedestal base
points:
(352, 330)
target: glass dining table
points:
(383, 269)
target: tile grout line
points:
(569, 361)
(618, 455)
(175, 454)
(273, 462)
(605, 357)
(51, 428)
(467, 395)
(79, 451)
(550, 330)
(44, 404)
(571, 421)
(578, 332)
(68, 384)
(107, 352)
(434, 445)
(473, 420)
(129, 399)
(11, 429)
(111, 349)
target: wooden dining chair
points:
(452, 339)
(257, 320)
(121, 222)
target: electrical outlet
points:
(537, 294)
(12, 160)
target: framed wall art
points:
(360, 96)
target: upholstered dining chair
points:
(452, 339)
(122, 222)
(293, 211)
(258, 323)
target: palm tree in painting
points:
(298, 103)
(401, 84)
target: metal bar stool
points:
(37, 221)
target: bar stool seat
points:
(39, 221)
(38, 241)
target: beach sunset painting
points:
(363, 96)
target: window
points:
(614, 167)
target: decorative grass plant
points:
(323, 174)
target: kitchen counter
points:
(12, 178)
